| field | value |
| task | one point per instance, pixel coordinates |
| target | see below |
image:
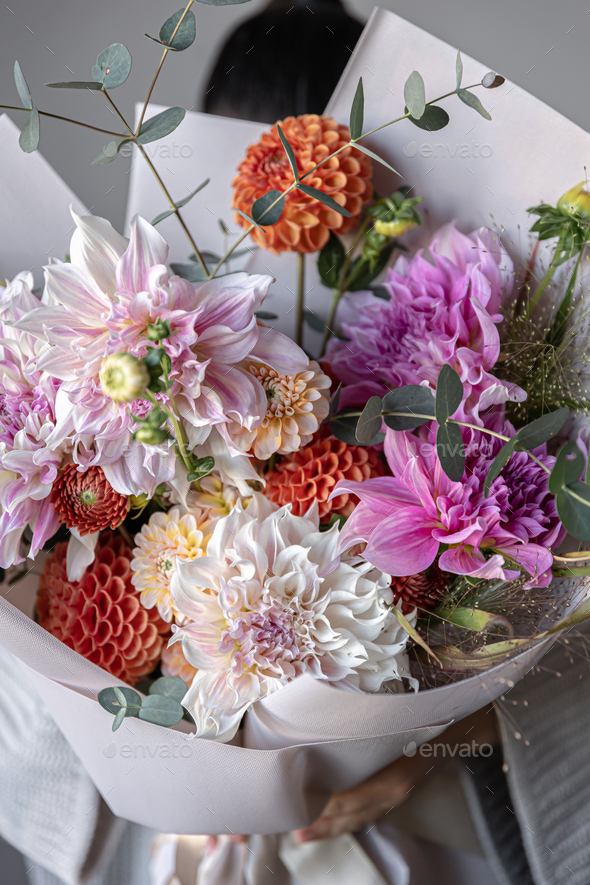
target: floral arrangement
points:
(222, 511)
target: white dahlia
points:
(272, 600)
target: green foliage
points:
(330, 261)
(110, 152)
(289, 152)
(433, 119)
(343, 426)
(374, 156)
(459, 69)
(357, 112)
(180, 203)
(22, 88)
(77, 84)
(185, 35)
(112, 67)
(414, 95)
(161, 706)
(201, 467)
(473, 101)
(407, 403)
(569, 466)
(261, 211)
(170, 687)
(323, 198)
(492, 80)
(161, 710)
(161, 125)
(369, 423)
(450, 450)
(29, 137)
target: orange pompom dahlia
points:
(101, 616)
(305, 224)
(312, 472)
(86, 500)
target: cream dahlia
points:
(272, 600)
(163, 542)
(296, 406)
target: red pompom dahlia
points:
(422, 591)
(101, 617)
(86, 500)
(311, 474)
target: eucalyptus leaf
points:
(449, 394)
(324, 198)
(24, 93)
(113, 66)
(185, 36)
(381, 292)
(459, 69)
(161, 125)
(118, 720)
(169, 687)
(497, 465)
(179, 205)
(110, 152)
(161, 710)
(414, 95)
(194, 273)
(343, 427)
(121, 699)
(77, 84)
(222, 2)
(334, 403)
(357, 112)
(492, 80)
(433, 119)
(313, 321)
(289, 152)
(451, 451)
(407, 402)
(542, 429)
(473, 101)
(250, 220)
(376, 157)
(265, 315)
(568, 467)
(573, 512)
(369, 423)
(107, 698)
(330, 261)
(29, 137)
(262, 214)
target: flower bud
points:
(137, 502)
(123, 377)
(150, 436)
(394, 228)
(576, 202)
(158, 330)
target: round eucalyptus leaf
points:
(113, 66)
(369, 423)
(118, 720)
(542, 429)
(161, 125)
(449, 393)
(450, 451)
(414, 95)
(108, 699)
(185, 35)
(574, 512)
(169, 687)
(29, 137)
(161, 710)
(433, 119)
(407, 403)
(261, 211)
(569, 466)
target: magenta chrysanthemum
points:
(406, 518)
(443, 310)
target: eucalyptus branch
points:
(9, 107)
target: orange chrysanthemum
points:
(312, 472)
(305, 224)
(101, 616)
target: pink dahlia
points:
(406, 518)
(443, 309)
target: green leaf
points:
(110, 152)
(194, 273)
(343, 427)
(29, 137)
(451, 451)
(107, 699)
(357, 112)
(412, 632)
(77, 84)
(118, 720)
(201, 467)
(23, 90)
(247, 217)
(449, 394)
(573, 512)
(161, 125)
(358, 281)
(411, 400)
(265, 314)
(473, 101)
(122, 700)
(492, 80)
(313, 321)
(474, 619)
(330, 261)
(459, 69)
(433, 119)
(369, 424)
(169, 687)
(262, 214)
(334, 403)
(568, 468)
(161, 710)
(542, 430)
(289, 152)
(222, 2)
(324, 198)
(113, 66)
(497, 465)
(180, 204)
(414, 96)
(185, 36)
(374, 156)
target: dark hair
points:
(283, 62)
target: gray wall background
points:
(540, 44)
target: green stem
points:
(9, 107)
(300, 304)
(545, 282)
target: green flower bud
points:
(394, 228)
(158, 330)
(576, 202)
(138, 501)
(150, 436)
(123, 377)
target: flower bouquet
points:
(266, 571)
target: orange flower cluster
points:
(101, 617)
(305, 224)
(312, 472)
